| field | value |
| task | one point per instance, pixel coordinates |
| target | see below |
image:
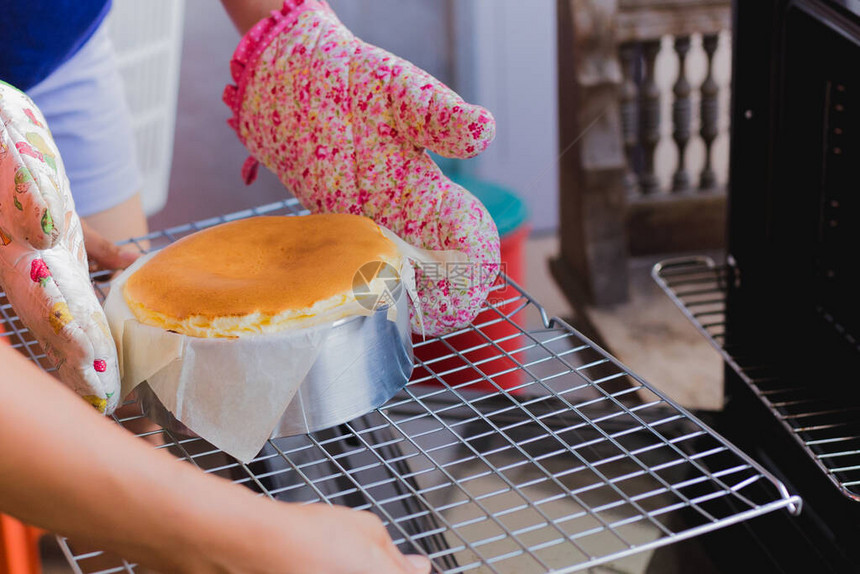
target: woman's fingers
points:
(413, 563)
(337, 540)
(103, 254)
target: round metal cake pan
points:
(364, 362)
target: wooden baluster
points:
(628, 54)
(649, 117)
(709, 112)
(681, 115)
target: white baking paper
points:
(438, 260)
(232, 392)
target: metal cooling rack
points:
(563, 461)
(825, 424)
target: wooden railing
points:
(641, 119)
(613, 113)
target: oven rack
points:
(575, 462)
(824, 425)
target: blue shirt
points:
(36, 36)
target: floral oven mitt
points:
(345, 125)
(43, 263)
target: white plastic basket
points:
(148, 41)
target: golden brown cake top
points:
(262, 266)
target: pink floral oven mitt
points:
(345, 125)
(43, 263)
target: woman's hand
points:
(104, 255)
(345, 125)
(321, 539)
(43, 266)
(359, 544)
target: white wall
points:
(506, 56)
(416, 30)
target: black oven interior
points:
(813, 213)
(795, 187)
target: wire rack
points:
(512, 450)
(824, 423)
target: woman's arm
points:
(69, 470)
(246, 13)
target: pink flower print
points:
(100, 365)
(382, 72)
(476, 130)
(39, 272)
(32, 117)
(25, 148)
(321, 152)
(384, 130)
(363, 197)
(445, 288)
(443, 117)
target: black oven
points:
(785, 308)
(792, 284)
